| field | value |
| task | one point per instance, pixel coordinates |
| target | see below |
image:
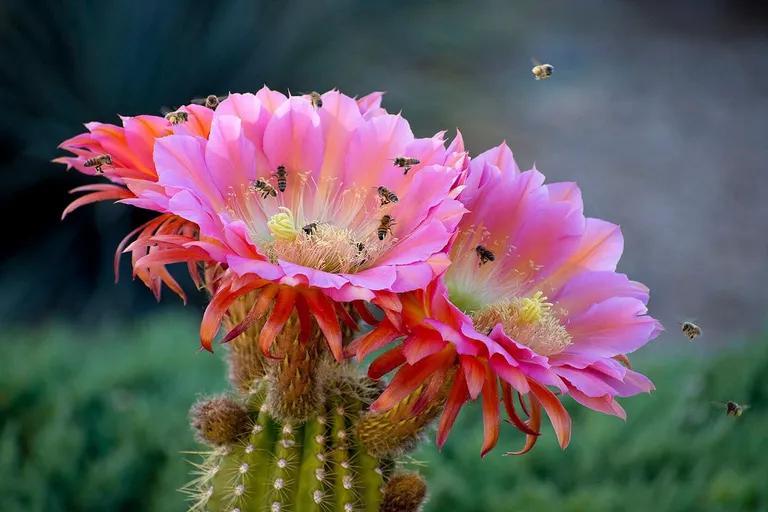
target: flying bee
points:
(386, 196)
(732, 408)
(263, 188)
(211, 101)
(281, 174)
(310, 228)
(316, 99)
(385, 226)
(691, 330)
(484, 254)
(406, 163)
(177, 117)
(541, 71)
(98, 162)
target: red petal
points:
(559, 417)
(258, 309)
(324, 312)
(364, 312)
(457, 397)
(386, 362)
(286, 298)
(490, 411)
(409, 377)
(509, 405)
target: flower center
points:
(527, 320)
(320, 245)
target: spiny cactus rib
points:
(315, 466)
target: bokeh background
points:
(658, 109)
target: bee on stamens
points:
(541, 71)
(263, 188)
(406, 163)
(177, 117)
(310, 228)
(385, 226)
(211, 101)
(316, 99)
(282, 178)
(386, 196)
(484, 254)
(691, 330)
(98, 162)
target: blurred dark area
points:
(658, 110)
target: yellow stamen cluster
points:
(282, 225)
(527, 320)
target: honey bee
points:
(264, 188)
(281, 176)
(691, 330)
(385, 226)
(316, 99)
(176, 117)
(211, 101)
(98, 162)
(310, 228)
(386, 196)
(541, 71)
(484, 254)
(406, 163)
(732, 408)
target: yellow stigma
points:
(532, 309)
(282, 225)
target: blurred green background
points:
(658, 109)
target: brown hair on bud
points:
(219, 420)
(404, 492)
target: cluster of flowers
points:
(486, 277)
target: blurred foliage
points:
(97, 421)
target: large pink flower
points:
(327, 233)
(531, 299)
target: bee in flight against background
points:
(263, 188)
(484, 254)
(177, 117)
(691, 330)
(310, 228)
(541, 71)
(732, 408)
(406, 163)
(211, 101)
(316, 99)
(98, 162)
(385, 226)
(282, 178)
(386, 196)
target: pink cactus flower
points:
(310, 205)
(532, 300)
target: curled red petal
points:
(284, 303)
(457, 397)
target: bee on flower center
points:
(263, 188)
(98, 162)
(691, 330)
(542, 71)
(406, 163)
(282, 178)
(385, 226)
(484, 254)
(177, 117)
(386, 196)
